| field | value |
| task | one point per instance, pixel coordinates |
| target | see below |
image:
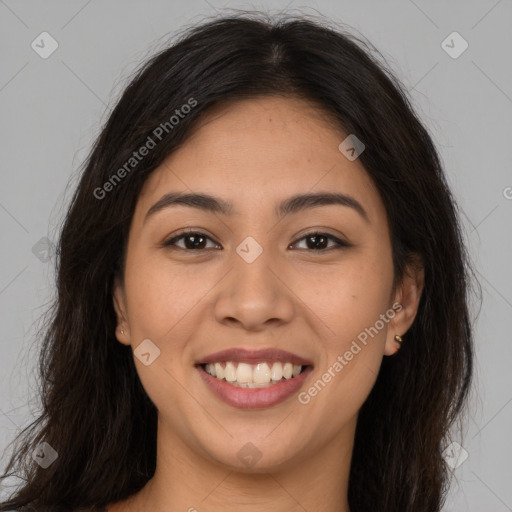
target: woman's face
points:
(250, 279)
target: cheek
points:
(364, 316)
(159, 296)
(347, 297)
(349, 304)
(161, 301)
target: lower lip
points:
(254, 398)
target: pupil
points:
(316, 243)
(196, 240)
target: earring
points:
(399, 340)
(122, 332)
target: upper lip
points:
(243, 355)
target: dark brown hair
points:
(96, 414)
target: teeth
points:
(219, 371)
(244, 373)
(261, 373)
(210, 368)
(229, 372)
(277, 371)
(253, 376)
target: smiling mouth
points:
(259, 375)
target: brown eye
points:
(319, 242)
(193, 241)
(196, 241)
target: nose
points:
(255, 294)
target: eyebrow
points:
(293, 204)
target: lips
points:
(244, 398)
(256, 395)
(242, 355)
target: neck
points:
(187, 480)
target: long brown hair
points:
(95, 412)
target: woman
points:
(262, 290)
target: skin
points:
(255, 153)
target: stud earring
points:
(122, 332)
(399, 340)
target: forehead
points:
(260, 151)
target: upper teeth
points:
(258, 375)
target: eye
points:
(319, 241)
(195, 241)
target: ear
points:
(119, 299)
(406, 299)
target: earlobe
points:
(408, 295)
(118, 298)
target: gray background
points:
(51, 110)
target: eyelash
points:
(172, 241)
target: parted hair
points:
(94, 411)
